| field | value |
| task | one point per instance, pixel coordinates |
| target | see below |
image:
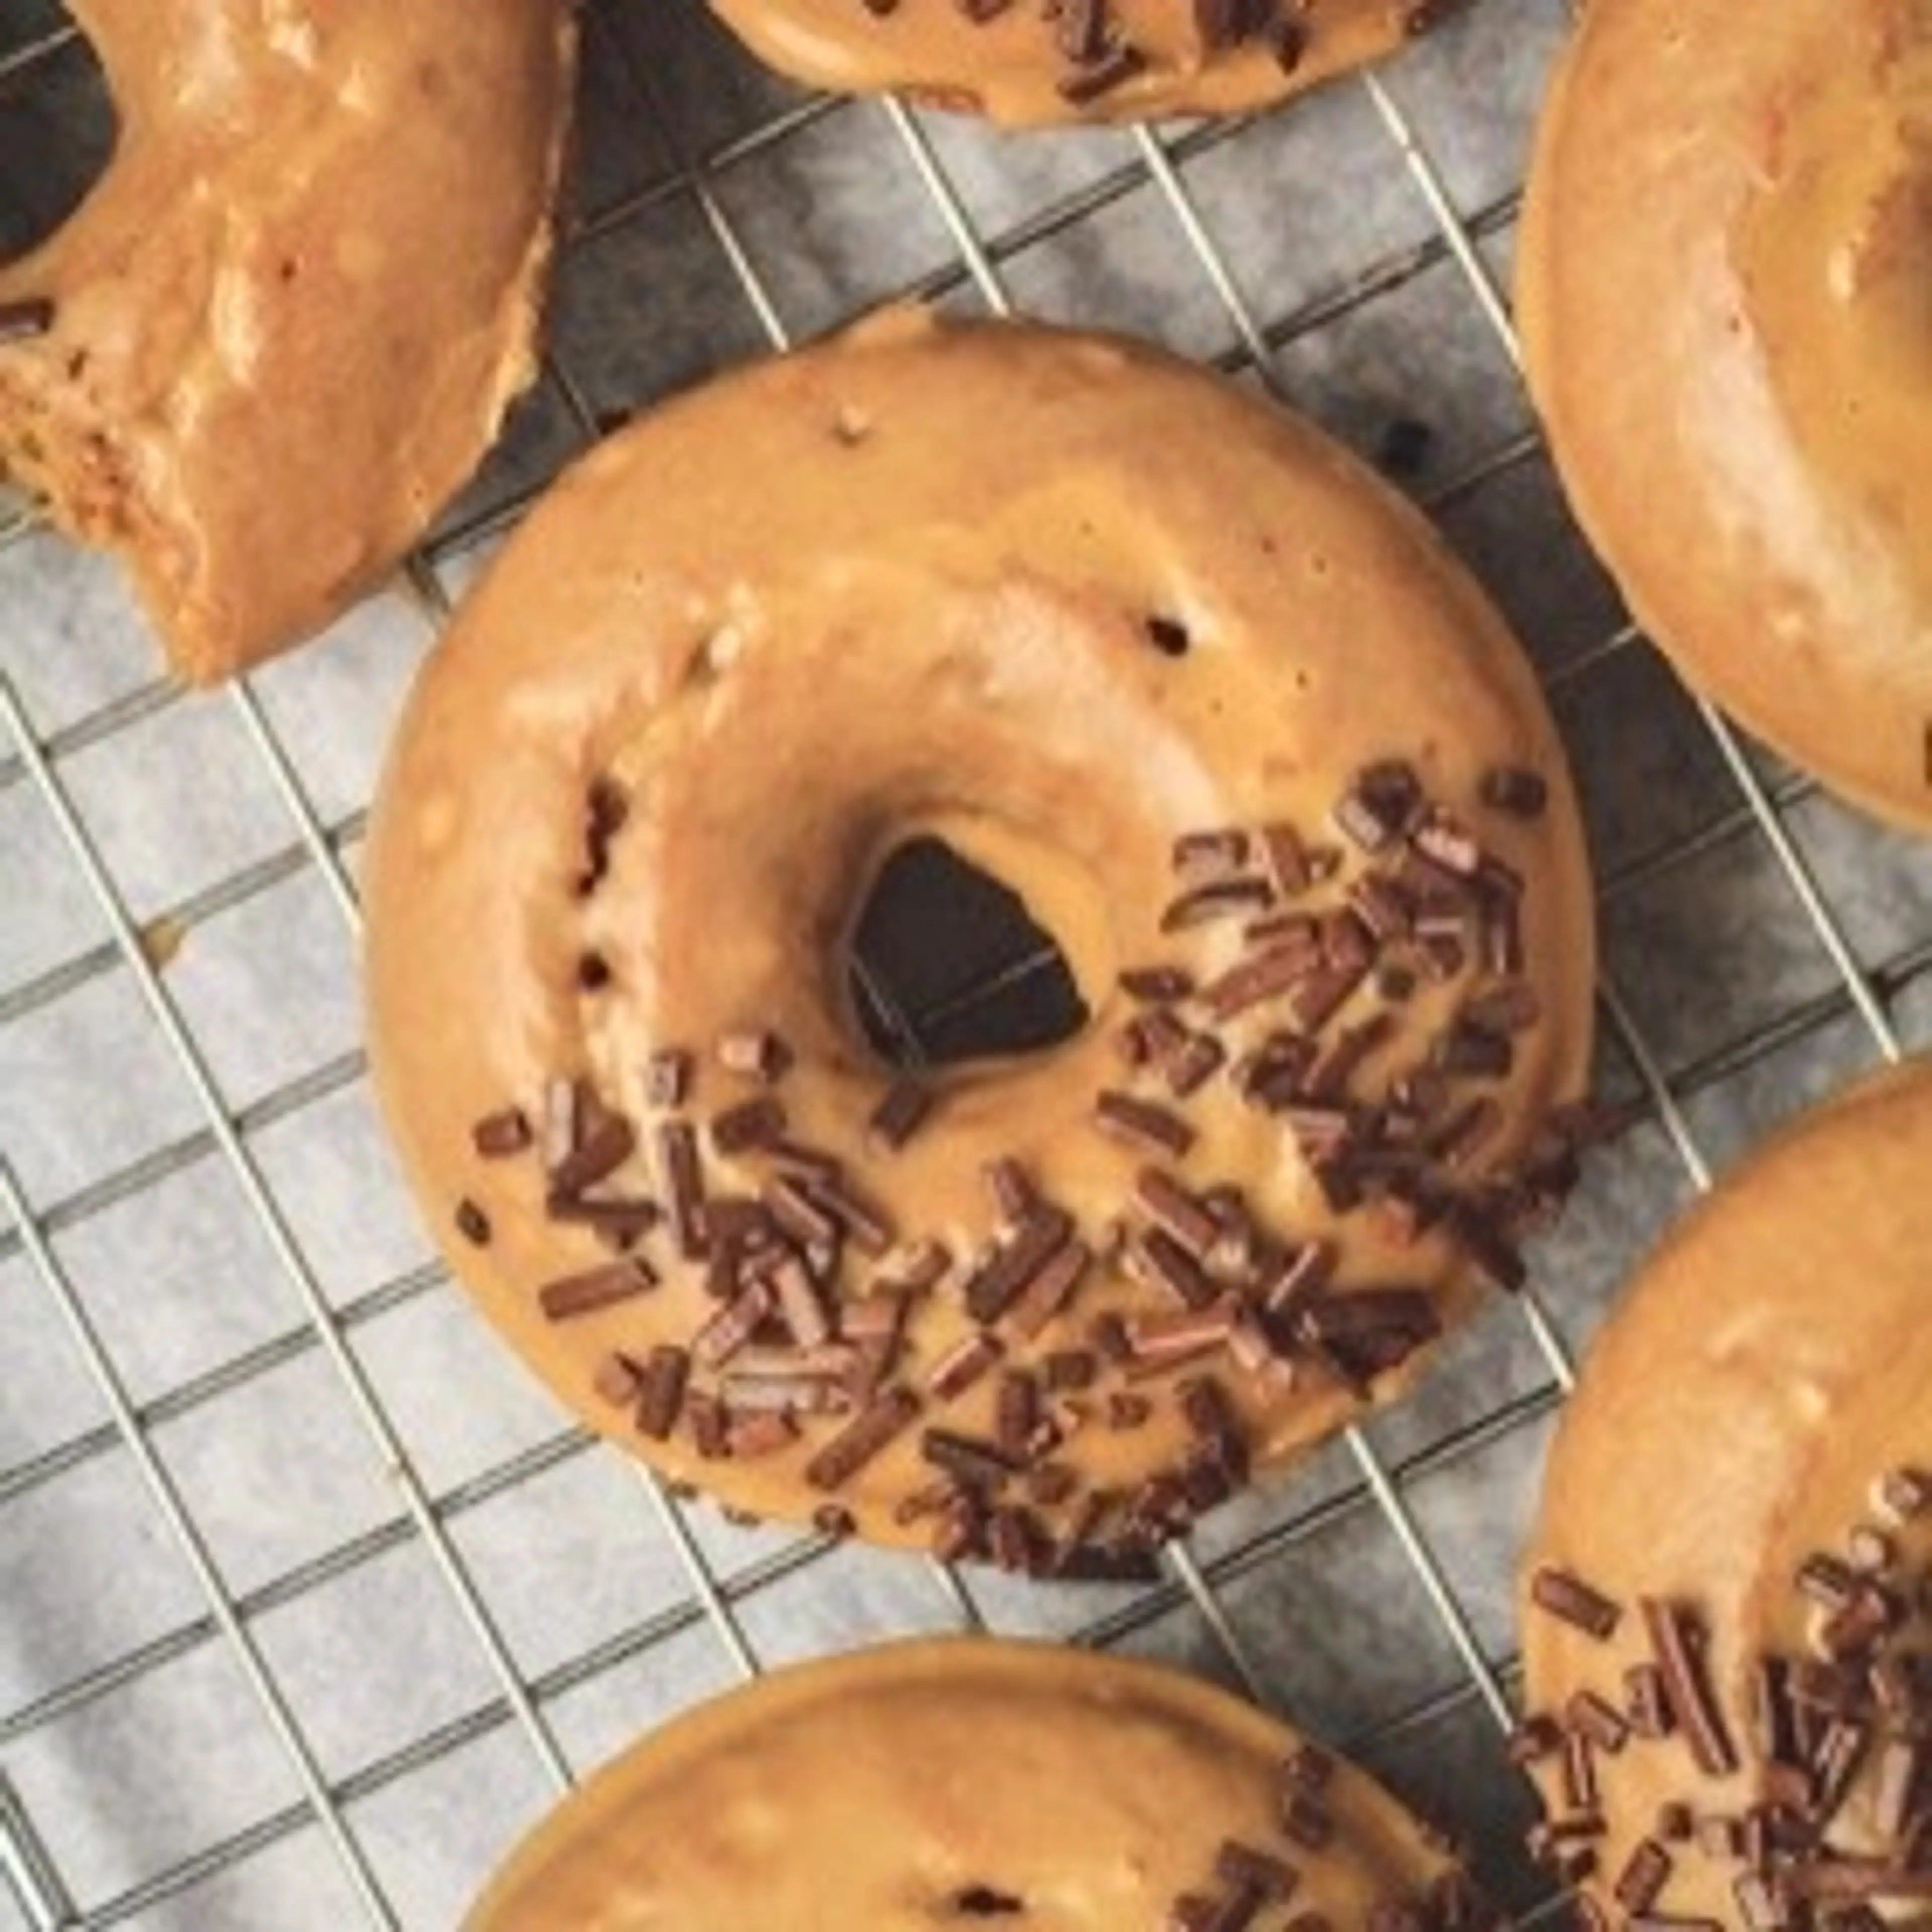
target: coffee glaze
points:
(901, 585)
(1012, 68)
(954, 1783)
(1726, 295)
(1769, 1368)
(286, 321)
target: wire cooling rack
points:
(309, 1601)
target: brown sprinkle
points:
(660, 1392)
(1573, 1600)
(1220, 899)
(1176, 1210)
(1674, 1645)
(1111, 70)
(865, 1436)
(1047, 1294)
(901, 1112)
(1193, 1063)
(1597, 1720)
(1906, 1494)
(1514, 791)
(962, 1365)
(598, 1155)
(471, 1223)
(756, 1123)
(1142, 1124)
(755, 1054)
(497, 1136)
(667, 1076)
(683, 1181)
(1156, 985)
(26, 320)
(596, 1288)
(1200, 858)
(734, 1325)
(1010, 1268)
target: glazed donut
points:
(1727, 1602)
(1086, 60)
(1729, 334)
(285, 324)
(1232, 723)
(953, 1780)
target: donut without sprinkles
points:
(1318, 876)
(1728, 331)
(1052, 1786)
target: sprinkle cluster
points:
(1292, 960)
(1838, 1832)
(1252, 1888)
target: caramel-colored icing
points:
(1010, 66)
(876, 1791)
(289, 317)
(1771, 1365)
(893, 585)
(1727, 305)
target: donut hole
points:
(58, 125)
(948, 965)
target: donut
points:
(1726, 1603)
(285, 324)
(1728, 331)
(1236, 729)
(950, 1780)
(1088, 60)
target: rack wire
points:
(310, 1604)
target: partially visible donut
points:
(1225, 715)
(1094, 60)
(284, 325)
(963, 1781)
(1727, 1603)
(1726, 293)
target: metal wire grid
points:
(1858, 1012)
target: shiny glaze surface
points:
(290, 316)
(1771, 1362)
(1727, 305)
(896, 585)
(873, 1791)
(1010, 68)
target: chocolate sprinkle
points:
(865, 1436)
(660, 1392)
(667, 1078)
(24, 320)
(1513, 790)
(757, 1055)
(1009, 1270)
(1570, 1598)
(1674, 1644)
(898, 1116)
(683, 1181)
(1142, 1124)
(595, 1289)
(497, 1136)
